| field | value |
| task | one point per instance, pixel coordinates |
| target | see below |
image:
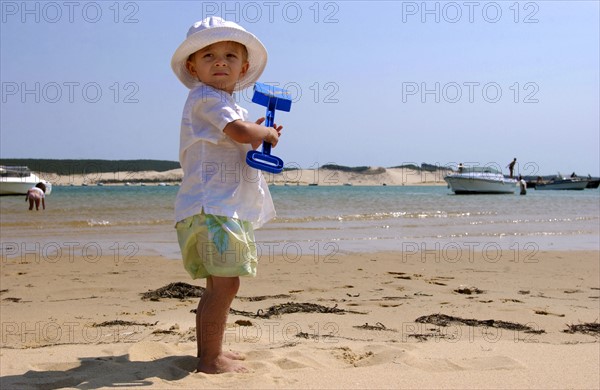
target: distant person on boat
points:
(461, 167)
(36, 195)
(511, 167)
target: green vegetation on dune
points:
(82, 167)
(344, 168)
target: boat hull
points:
(476, 185)
(566, 185)
(20, 185)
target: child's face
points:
(219, 65)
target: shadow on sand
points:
(105, 371)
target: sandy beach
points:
(370, 320)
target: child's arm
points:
(252, 133)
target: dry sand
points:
(372, 176)
(75, 321)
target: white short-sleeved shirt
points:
(216, 178)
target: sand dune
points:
(372, 176)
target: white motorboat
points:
(563, 183)
(18, 180)
(480, 180)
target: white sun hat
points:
(211, 30)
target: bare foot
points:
(231, 355)
(220, 365)
(234, 355)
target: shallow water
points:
(125, 221)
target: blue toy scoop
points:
(274, 99)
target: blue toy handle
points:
(274, 99)
(265, 161)
(270, 120)
(266, 147)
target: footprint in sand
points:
(288, 364)
(369, 355)
(148, 351)
(265, 360)
(458, 364)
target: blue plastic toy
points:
(274, 99)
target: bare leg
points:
(210, 325)
(30, 204)
(228, 354)
(199, 310)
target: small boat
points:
(563, 183)
(480, 180)
(18, 180)
(592, 183)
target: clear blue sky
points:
(374, 83)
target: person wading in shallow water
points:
(522, 185)
(36, 195)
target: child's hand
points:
(273, 135)
(274, 132)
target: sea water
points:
(130, 221)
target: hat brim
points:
(257, 54)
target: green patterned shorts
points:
(217, 246)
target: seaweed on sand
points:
(182, 290)
(178, 290)
(377, 326)
(292, 307)
(589, 328)
(265, 297)
(468, 290)
(446, 320)
(122, 323)
(435, 333)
